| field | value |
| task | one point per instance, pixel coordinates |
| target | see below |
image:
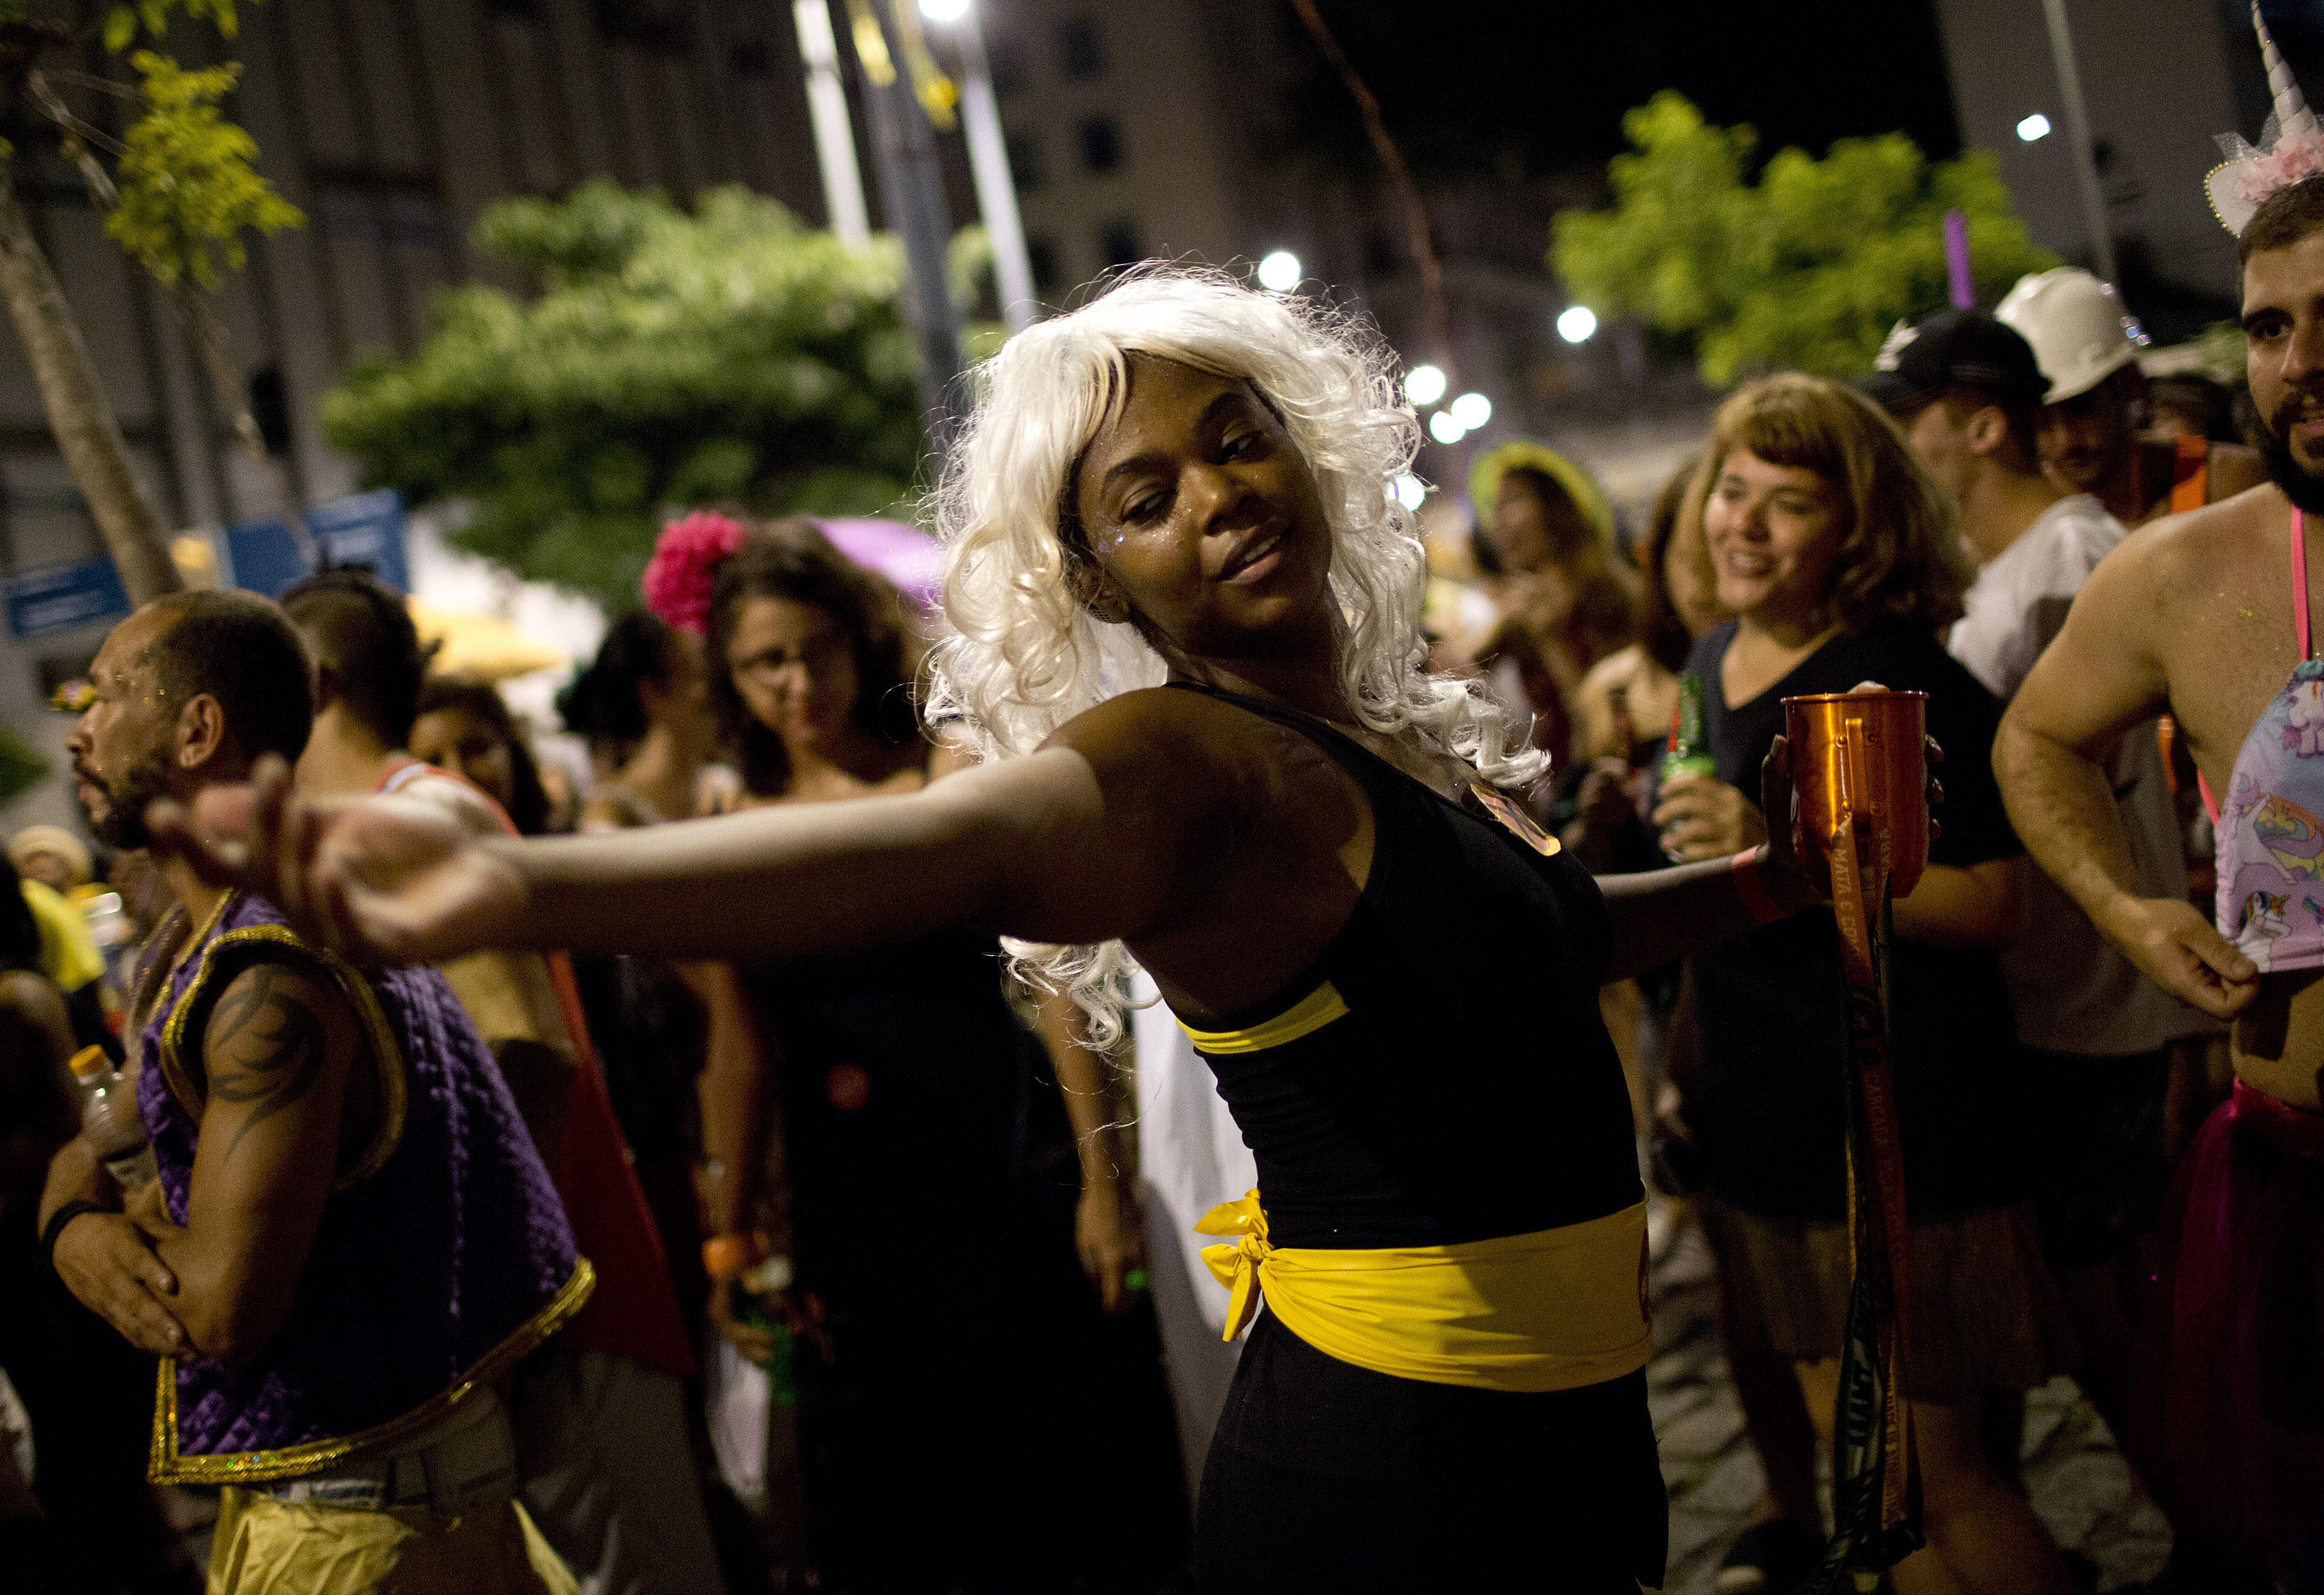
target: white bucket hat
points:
(2080, 331)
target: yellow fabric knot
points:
(1236, 1264)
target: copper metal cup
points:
(1860, 759)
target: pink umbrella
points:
(905, 554)
(687, 556)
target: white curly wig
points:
(1021, 655)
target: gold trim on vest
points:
(167, 1466)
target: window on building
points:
(657, 25)
(378, 206)
(1042, 256)
(1100, 143)
(1005, 56)
(1118, 242)
(1024, 162)
(270, 408)
(1083, 48)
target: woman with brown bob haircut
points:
(791, 561)
(1839, 557)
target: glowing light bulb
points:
(1408, 491)
(1279, 272)
(1423, 384)
(2036, 126)
(1577, 323)
(1444, 428)
(1472, 411)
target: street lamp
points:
(988, 163)
(1423, 384)
(1577, 323)
(834, 136)
(1280, 272)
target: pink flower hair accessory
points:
(685, 563)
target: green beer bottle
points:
(1688, 753)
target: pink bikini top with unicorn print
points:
(2271, 829)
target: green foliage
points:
(122, 22)
(1807, 269)
(669, 360)
(188, 187)
(21, 769)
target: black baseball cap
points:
(1954, 348)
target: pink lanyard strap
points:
(2300, 577)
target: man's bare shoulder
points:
(2196, 546)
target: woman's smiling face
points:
(1775, 533)
(1203, 520)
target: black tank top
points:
(1470, 1089)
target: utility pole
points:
(835, 135)
(996, 189)
(912, 185)
(2078, 132)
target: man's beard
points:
(122, 824)
(2302, 485)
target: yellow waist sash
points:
(1550, 1311)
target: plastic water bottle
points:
(110, 1121)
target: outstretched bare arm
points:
(2098, 681)
(1082, 842)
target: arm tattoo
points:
(267, 1048)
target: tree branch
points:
(1415, 213)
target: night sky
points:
(1465, 83)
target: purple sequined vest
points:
(443, 1255)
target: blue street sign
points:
(65, 596)
(365, 529)
(263, 556)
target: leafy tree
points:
(1806, 269)
(21, 769)
(669, 360)
(179, 199)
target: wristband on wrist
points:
(724, 1257)
(1752, 890)
(55, 1228)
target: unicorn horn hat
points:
(2294, 146)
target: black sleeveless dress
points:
(1470, 1091)
(974, 1383)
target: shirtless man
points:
(2202, 614)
